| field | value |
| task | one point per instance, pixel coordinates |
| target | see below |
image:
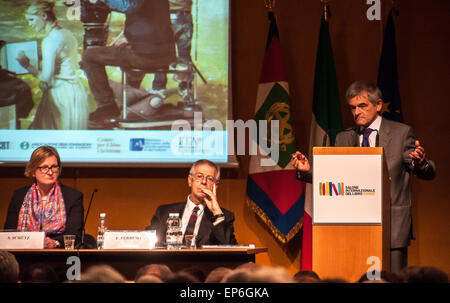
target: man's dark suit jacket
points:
(208, 234)
(73, 201)
(397, 140)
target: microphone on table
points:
(82, 244)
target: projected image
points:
(75, 70)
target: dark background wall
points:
(130, 196)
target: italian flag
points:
(326, 119)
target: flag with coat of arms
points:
(273, 192)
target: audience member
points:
(334, 280)
(9, 267)
(423, 274)
(217, 274)
(39, 273)
(101, 274)
(375, 281)
(385, 276)
(306, 276)
(160, 271)
(148, 279)
(182, 277)
(262, 275)
(248, 266)
(194, 271)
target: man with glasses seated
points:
(201, 213)
(46, 205)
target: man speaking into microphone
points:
(404, 156)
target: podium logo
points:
(328, 188)
(338, 189)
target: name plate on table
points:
(22, 240)
(130, 239)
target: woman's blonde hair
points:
(38, 156)
(42, 7)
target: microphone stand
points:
(81, 244)
(325, 137)
(377, 138)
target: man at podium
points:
(404, 156)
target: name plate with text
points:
(130, 239)
(22, 240)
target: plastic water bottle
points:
(101, 230)
(179, 235)
(174, 235)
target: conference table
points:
(127, 262)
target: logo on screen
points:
(5, 145)
(137, 144)
(24, 145)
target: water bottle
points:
(179, 235)
(101, 230)
(174, 235)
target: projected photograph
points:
(104, 81)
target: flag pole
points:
(326, 9)
(269, 4)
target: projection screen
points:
(182, 120)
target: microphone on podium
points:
(332, 132)
(377, 138)
(82, 244)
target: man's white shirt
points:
(373, 135)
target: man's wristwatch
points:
(215, 217)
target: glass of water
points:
(189, 241)
(69, 241)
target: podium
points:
(351, 212)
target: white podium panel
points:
(347, 189)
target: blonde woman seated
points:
(46, 204)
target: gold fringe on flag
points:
(279, 235)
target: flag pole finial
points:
(395, 9)
(269, 4)
(326, 9)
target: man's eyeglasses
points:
(45, 169)
(200, 177)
